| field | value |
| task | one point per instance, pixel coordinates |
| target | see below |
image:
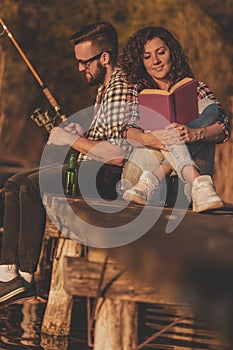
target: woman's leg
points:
(201, 152)
(140, 159)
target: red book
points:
(158, 108)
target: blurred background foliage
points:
(42, 29)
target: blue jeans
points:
(199, 154)
(202, 152)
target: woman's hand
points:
(153, 139)
(167, 137)
(186, 134)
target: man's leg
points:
(24, 223)
(98, 180)
(33, 214)
(9, 250)
(11, 284)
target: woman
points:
(153, 58)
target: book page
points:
(181, 83)
(155, 92)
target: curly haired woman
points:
(153, 58)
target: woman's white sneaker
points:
(204, 196)
(146, 191)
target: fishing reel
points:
(42, 118)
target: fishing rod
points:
(40, 116)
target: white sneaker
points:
(8, 272)
(147, 190)
(204, 196)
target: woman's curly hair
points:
(132, 57)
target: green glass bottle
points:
(71, 177)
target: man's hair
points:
(102, 35)
(132, 57)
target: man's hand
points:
(74, 128)
(61, 137)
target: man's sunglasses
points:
(86, 63)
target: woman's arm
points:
(131, 130)
(212, 134)
(214, 126)
(219, 131)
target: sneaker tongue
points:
(201, 179)
(147, 175)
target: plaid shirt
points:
(109, 112)
(204, 91)
(132, 118)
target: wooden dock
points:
(189, 269)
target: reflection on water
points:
(29, 324)
(20, 325)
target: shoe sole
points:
(20, 299)
(208, 206)
(12, 294)
(128, 197)
(17, 299)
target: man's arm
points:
(101, 151)
(139, 138)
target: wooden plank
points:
(116, 325)
(57, 317)
(186, 334)
(81, 278)
(51, 231)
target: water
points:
(20, 328)
(20, 324)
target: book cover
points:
(158, 108)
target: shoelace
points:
(145, 185)
(204, 191)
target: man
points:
(96, 50)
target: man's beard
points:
(99, 75)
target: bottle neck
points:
(71, 163)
